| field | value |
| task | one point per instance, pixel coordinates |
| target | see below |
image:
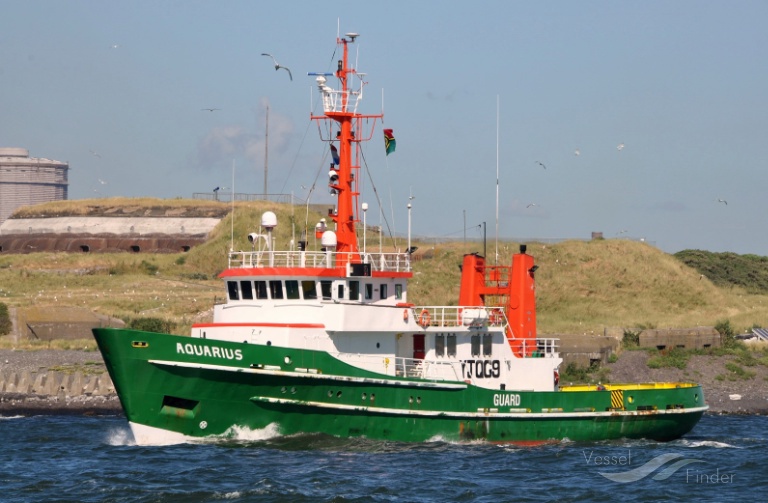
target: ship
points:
(320, 338)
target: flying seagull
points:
(541, 164)
(210, 109)
(577, 152)
(278, 65)
(531, 204)
(723, 201)
(620, 147)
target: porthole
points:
(630, 399)
(364, 396)
(287, 360)
(338, 394)
(203, 425)
(283, 390)
(330, 393)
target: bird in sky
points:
(723, 201)
(541, 164)
(620, 147)
(210, 109)
(531, 204)
(96, 154)
(577, 152)
(278, 65)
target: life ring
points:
(557, 377)
(405, 315)
(424, 318)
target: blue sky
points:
(117, 88)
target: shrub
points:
(675, 357)
(151, 325)
(631, 339)
(5, 320)
(150, 269)
(727, 334)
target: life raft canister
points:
(424, 318)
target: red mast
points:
(340, 106)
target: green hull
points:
(199, 387)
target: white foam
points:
(243, 433)
(7, 418)
(707, 443)
(120, 436)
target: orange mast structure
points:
(340, 106)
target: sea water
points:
(90, 459)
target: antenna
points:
(266, 151)
(232, 226)
(496, 261)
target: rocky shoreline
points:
(58, 382)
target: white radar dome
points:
(269, 220)
(328, 240)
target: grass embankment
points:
(582, 287)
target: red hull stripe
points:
(279, 325)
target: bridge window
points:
(276, 289)
(354, 290)
(326, 289)
(383, 291)
(440, 345)
(340, 292)
(310, 289)
(451, 343)
(368, 291)
(475, 342)
(261, 289)
(246, 288)
(292, 289)
(398, 291)
(487, 345)
(232, 289)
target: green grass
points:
(582, 286)
(676, 357)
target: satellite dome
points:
(269, 220)
(328, 240)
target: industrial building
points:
(28, 180)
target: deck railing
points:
(386, 262)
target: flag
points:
(335, 154)
(389, 141)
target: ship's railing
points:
(457, 316)
(441, 317)
(386, 262)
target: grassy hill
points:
(582, 287)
